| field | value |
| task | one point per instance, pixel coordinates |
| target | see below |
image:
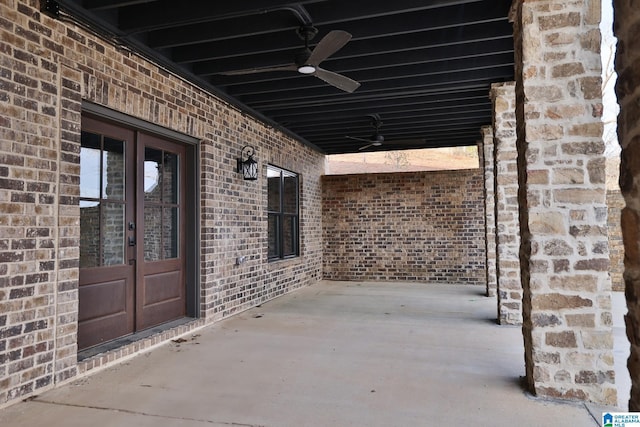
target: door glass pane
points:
(170, 178)
(113, 169)
(152, 175)
(113, 234)
(170, 232)
(289, 235)
(273, 236)
(290, 196)
(152, 233)
(89, 234)
(102, 224)
(90, 165)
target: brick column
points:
(66, 322)
(627, 19)
(503, 96)
(564, 259)
(485, 151)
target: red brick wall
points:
(422, 226)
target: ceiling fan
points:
(308, 61)
(377, 139)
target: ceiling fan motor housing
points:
(302, 57)
(307, 32)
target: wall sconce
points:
(247, 165)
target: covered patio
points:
(129, 130)
(335, 353)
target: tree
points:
(396, 158)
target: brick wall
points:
(47, 69)
(426, 226)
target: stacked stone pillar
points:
(507, 239)
(486, 153)
(564, 256)
(627, 28)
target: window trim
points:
(281, 215)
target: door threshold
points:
(128, 340)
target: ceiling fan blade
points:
(338, 80)
(373, 144)
(247, 71)
(366, 146)
(357, 139)
(329, 45)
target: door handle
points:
(132, 241)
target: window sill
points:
(280, 262)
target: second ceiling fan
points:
(377, 139)
(308, 61)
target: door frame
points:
(191, 194)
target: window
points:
(102, 200)
(283, 213)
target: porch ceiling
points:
(425, 66)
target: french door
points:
(132, 232)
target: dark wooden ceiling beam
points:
(279, 21)
(425, 71)
(394, 102)
(408, 122)
(170, 13)
(250, 28)
(466, 134)
(397, 129)
(378, 87)
(390, 60)
(358, 55)
(360, 119)
(96, 5)
(367, 38)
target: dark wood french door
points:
(132, 232)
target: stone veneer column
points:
(485, 152)
(564, 259)
(627, 28)
(503, 96)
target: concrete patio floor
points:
(333, 354)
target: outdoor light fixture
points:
(247, 165)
